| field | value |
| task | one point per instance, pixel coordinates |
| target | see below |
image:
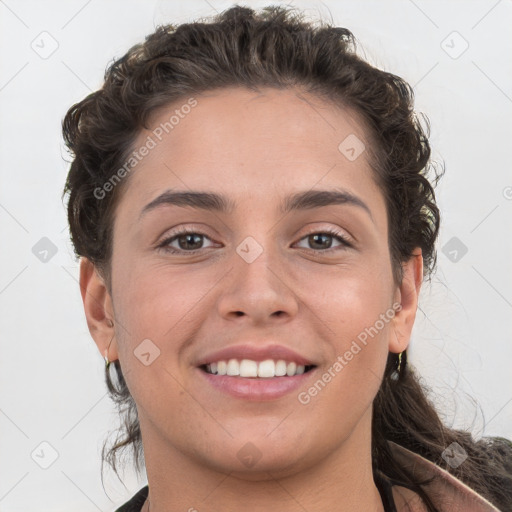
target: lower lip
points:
(257, 389)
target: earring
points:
(107, 362)
(394, 376)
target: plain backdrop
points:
(54, 410)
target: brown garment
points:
(447, 492)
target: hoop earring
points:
(396, 374)
(107, 362)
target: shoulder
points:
(447, 492)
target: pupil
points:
(315, 237)
(183, 240)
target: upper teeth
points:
(249, 368)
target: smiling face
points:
(266, 270)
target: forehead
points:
(253, 144)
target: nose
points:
(259, 290)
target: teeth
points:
(221, 367)
(248, 368)
(266, 368)
(280, 368)
(233, 368)
(290, 369)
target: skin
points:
(255, 148)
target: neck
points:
(341, 481)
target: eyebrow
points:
(211, 201)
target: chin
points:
(271, 465)
(259, 458)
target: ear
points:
(407, 295)
(98, 309)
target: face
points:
(310, 285)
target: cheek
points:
(158, 298)
(349, 301)
(159, 309)
(356, 320)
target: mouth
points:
(258, 381)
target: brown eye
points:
(185, 241)
(323, 240)
(190, 241)
(320, 240)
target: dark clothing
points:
(137, 501)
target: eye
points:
(187, 240)
(190, 241)
(322, 240)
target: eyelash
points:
(165, 247)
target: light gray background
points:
(51, 373)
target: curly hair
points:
(277, 48)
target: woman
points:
(251, 206)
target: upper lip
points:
(256, 353)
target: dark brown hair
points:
(277, 48)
